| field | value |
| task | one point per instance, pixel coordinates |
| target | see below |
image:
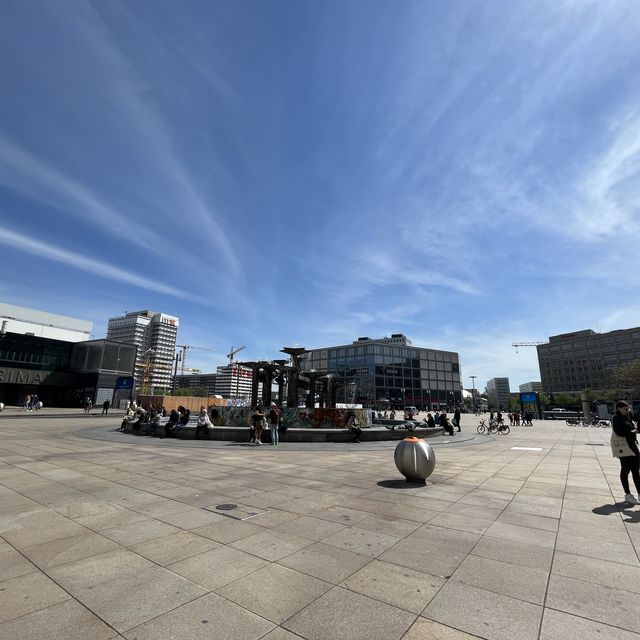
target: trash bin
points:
(415, 459)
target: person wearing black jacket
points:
(445, 423)
(623, 427)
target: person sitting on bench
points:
(354, 426)
(446, 423)
(154, 423)
(204, 423)
(170, 427)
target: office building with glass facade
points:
(391, 372)
(63, 373)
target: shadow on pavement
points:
(618, 507)
(400, 484)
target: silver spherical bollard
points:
(415, 459)
(1, 406)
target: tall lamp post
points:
(473, 392)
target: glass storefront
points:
(60, 373)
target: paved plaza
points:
(106, 535)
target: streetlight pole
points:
(473, 392)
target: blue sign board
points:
(528, 397)
(124, 382)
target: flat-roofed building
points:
(531, 387)
(201, 384)
(234, 381)
(64, 373)
(573, 362)
(42, 324)
(391, 371)
(499, 393)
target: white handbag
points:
(620, 447)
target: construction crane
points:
(233, 353)
(527, 344)
(182, 356)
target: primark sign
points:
(22, 376)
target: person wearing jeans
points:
(625, 447)
(274, 423)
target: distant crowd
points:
(31, 403)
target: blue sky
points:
(288, 172)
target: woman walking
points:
(625, 447)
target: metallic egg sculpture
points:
(415, 459)
(1, 406)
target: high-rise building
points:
(42, 324)
(573, 362)
(155, 336)
(499, 393)
(531, 387)
(234, 381)
(391, 371)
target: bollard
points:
(1, 406)
(415, 459)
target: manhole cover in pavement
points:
(236, 511)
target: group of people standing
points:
(524, 418)
(31, 403)
(261, 421)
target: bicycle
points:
(502, 429)
(482, 427)
(493, 427)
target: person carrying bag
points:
(625, 447)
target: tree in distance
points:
(626, 378)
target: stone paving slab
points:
(275, 592)
(68, 620)
(343, 614)
(208, 618)
(110, 537)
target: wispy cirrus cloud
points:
(126, 89)
(18, 241)
(34, 178)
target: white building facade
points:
(42, 324)
(234, 381)
(155, 336)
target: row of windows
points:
(382, 350)
(34, 352)
(390, 366)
